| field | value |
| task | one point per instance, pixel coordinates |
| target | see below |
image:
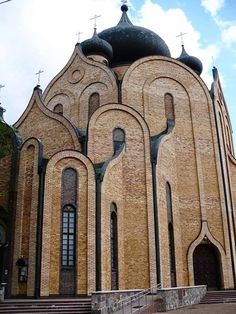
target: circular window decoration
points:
(76, 75)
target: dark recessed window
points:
(118, 139)
(169, 106)
(58, 109)
(94, 103)
(114, 247)
(171, 234)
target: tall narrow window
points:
(68, 231)
(171, 235)
(94, 103)
(68, 236)
(169, 202)
(118, 139)
(58, 109)
(169, 106)
(228, 138)
(114, 247)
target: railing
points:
(135, 303)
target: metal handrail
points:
(134, 303)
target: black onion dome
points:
(130, 42)
(97, 46)
(192, 62)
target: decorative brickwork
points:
(148, 137)
(85, 243)
(26, 217)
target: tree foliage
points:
(6, 134)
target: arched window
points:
(172, 255)
(169, 106)
(58, 109)
(169, 202)
(114, 247)
(171, 235)
(94, 103)
(118, 139)
(228, 138)
(69, 188)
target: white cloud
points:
(168, 24)
(213, 6)
(227, 28)
(229, 35)
(41, 34)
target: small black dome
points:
(130, 42)
(192, 62)
(97, 46)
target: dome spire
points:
(192, 62)
(124, 18)
(96, 45)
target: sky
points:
(41, 35)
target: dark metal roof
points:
(130, 42)
(192, 62)
(96, 45)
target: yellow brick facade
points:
(195, 156)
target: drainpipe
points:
(155, 144)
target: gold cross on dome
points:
(95, 19)
(78, 34)
(181, 35)
(39, 73)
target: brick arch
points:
(123, 108)
(86, 212)
(26, 213)
(100, 133)
(56, 122)
(225, 267)
(61, 96)
(166, 60)
(154, 68)
(99, 88)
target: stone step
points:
(46, 310)
(30, 311)
(219, 297)
(69, 306)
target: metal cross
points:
(124, 1)
(78, 34)
(1, 86)
(95, 20)
(213, 60)
(39, 73)
(181, 35)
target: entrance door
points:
(206, 266)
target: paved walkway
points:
(221, 308)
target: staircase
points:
(228, 296)
(70, 306)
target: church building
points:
(121, 174)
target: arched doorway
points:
(206, 266)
